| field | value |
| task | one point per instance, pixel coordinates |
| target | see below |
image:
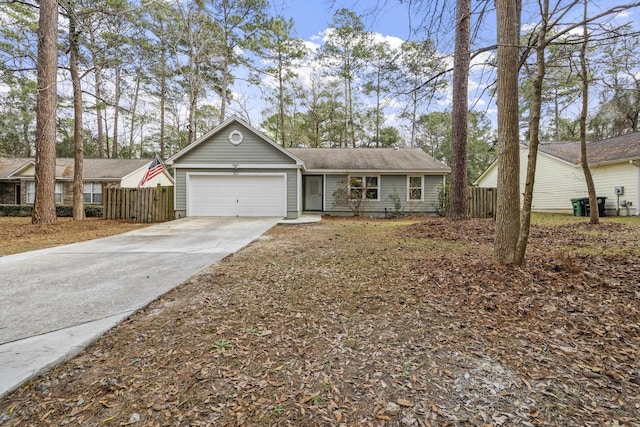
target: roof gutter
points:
(376, 171)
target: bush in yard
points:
(61, 211)
(350, 197)
(16, 210)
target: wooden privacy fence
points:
(139, 204)
(482, 202)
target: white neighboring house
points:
(132, 179)
(614, 162)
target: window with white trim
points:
(31, 192)
(92, 192)
(364, 187)
(414, 187)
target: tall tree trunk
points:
(378, 107)
(594, 216)
(97, 76)
(44, 209)
(351, 130)
(194, 89)
(556, 112)
(459, 204)
(414, 117)
(134, 108)
(163, 96)
(78, 137)
(281, 100)
(116, 111)
(534, 136)
(193, 104)
(508, 209)
(162, 118)
(26, 131)
(106, 133)
(345, 139)
(100, 120)
(224, 88)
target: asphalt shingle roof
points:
(9, 165)
(619, 148)
(93, 169)
(369, 159)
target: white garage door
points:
(236, 195)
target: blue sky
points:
(391, 18)
(311, 17)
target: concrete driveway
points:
(55, 302)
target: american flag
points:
(155, 168)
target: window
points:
(364, 187)
(31, 192)
(414, 187)
(92, 192)
(58, 192)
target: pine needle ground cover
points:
(17, 234)
(372, 323)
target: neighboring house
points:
(614, 163)
(17, 184)
(234, 170)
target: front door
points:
(313, 193)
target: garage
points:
(236, 194)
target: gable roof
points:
(10, 165)
(611, 150)
(219, 128)
(93, 169)
(400, 160)
(617, 149)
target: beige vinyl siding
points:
(616, 175)
(557, 182)
(389, 187)
(490, 177)
(181, 190)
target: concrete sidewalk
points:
(55, 302)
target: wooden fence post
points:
(482, 202)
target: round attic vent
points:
(235, 137)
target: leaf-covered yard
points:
(373, 322)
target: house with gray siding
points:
(235, 170)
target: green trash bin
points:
(578, 207)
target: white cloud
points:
(482, 59)
(477, 102)
(623, 14)
(394, 42)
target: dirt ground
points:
(19, 235)
(372, 323)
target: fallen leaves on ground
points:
(372, 323)
(17, 234)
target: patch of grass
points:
(551, 219)
(554, 219)
(318, 398)
(252, 331)
(222, 345)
